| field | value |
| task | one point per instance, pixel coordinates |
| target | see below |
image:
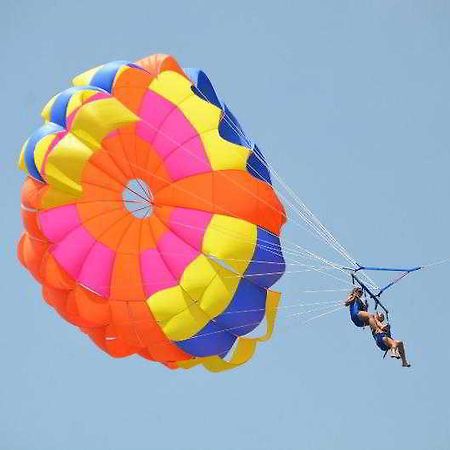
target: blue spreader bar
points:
(389, 269)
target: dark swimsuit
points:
(355, 308)
(380, 341)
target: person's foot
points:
(406, 364)
(394, 354)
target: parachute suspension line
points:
(316, 291)
(275, 249)
(323, 305)
(327, 308)
(302, 211)
(321, 228)
(269, 246)
(308, 254)
(305, 213)
(437, 263)
(284, 272)
(311, 255)
(339, 308)
(144, 199)
(288, 317)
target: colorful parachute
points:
(150, 220)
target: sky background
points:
(350, 101)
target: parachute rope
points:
(301, 209)
(329, 309)
(436, 263)
(307, 215)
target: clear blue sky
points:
(350, 100)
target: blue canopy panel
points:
(229, 128)
(58, 111)
(35, 138)
(247, 308)
(105, 76)
(210, 340)
(244, 313)
(267, 264)
(257, 165)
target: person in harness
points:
(381, 332)
(358, 308)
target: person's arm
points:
(377, 325)
(350, 300)
(380, 326)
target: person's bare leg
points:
(372, 322)
(394, 353)
(398, 347)
(365, 317)
(402, 353)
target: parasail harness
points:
(375, 296)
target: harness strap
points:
(374, 297)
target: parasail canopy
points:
(150, 219)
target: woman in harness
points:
(381, 332)
(358, 308)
